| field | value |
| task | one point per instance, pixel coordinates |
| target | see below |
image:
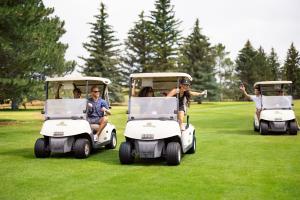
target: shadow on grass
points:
(110, 157)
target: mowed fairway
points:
(231, 162)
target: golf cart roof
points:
(272, 83)
(161, 75)
(79, 78)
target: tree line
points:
(30, 50)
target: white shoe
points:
(95, 138)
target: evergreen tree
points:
(165, 37)
(30, 49)
(291, 69)
(103, 59)
(197, 58)
(262, 67)
(246, 66)
(137, 49)
(274, 65)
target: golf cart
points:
(277, 114)
(152, 129)
(66, 128)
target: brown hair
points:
(144, 92)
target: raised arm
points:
(243, 90)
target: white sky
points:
(269, 23)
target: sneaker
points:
(96, 138)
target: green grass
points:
(231, 162)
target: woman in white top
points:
(256, 98)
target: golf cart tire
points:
(125, 153)
(173, 153)
(113, 141)
(193, 148)
(293, 128)
(82, 148)
(263, 128)
(41, 149)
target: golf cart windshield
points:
(277, 102)
(65, 108)
(153, 108)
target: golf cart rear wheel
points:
(193, 148)
(41, 149)
(293, 128)
(82, 148)
(263, 128)
(113, 141)
(173, 153)
(125, 153)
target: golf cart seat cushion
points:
(94, 126)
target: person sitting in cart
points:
(77, 93)
(144, 92)
(256, 98)
(97, 107)
(184, 99)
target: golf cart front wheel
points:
(82, 148)
(193, 148)
(263, 128)
(125, 153)
(173, 153)
(293, 128)
(41, 149)
(113, 141)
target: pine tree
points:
(137, 49)
(103, 59)
(245, 65)
(262, 67)
(165, 37)
(291, 69)
(274, 65)
(197, 58)
(30, 49)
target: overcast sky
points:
(269, 23)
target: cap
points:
(185, 82)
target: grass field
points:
(231, 162)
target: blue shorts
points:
(94, 120)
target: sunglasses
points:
(96, 91)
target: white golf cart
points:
(66, 128)
(277, 114)
(152, 128)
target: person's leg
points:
(181, 119)
(258, 113)
(102, 123)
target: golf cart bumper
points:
(278, 126)
(61, 145)
(149, 149)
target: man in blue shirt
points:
(96, 109)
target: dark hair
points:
(77, 90)
(144, 92)
(257, 88)
(93, 87)
(187, 95)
